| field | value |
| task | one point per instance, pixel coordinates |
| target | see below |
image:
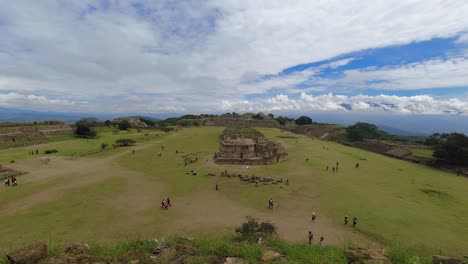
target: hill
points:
(399, 132)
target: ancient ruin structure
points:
(11, 132)
(248, 146)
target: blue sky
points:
(385, 58)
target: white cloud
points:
(436, 73)
(39, 102)
(193, 54)
(421, 104)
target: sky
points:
(381, 58)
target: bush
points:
(125, 142)
(104, 145)
(50, 151)
(84, 131)
(252, 227)
(124, 125)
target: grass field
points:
(116, 194)
(423, 153)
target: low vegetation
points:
(124, 142)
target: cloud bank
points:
(209, 56)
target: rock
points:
(160, 248)
(70, 259)
(269, 255)
(77, 248)
(445, 260)
(362, 255)
(232, 260)
(29, 255)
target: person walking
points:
(354, 221)
(314, 216)
(321, 241)
(346, 220)
(217, 186)
(311, 237)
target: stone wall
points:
(33, 133)
(251, 151)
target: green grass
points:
(62, 219)
(423, 153)
(389, 196)
(397, 202)
(72, 146)
(169, 167)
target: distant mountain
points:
(399, 132)
(22, 115)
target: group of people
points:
(334, 168)
(32, 152)
(165, 203)
(311, 237)
(10, 181)
(346, 219)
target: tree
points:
(124, 125)
(361, 131)
(85, 127)
(108, 123)
(303, 120)
(283, 120)
(258, 116)
(124, 142)
(453, 149)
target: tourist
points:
(168, 201)
(357, 165)
(313, 216)
(333, 169)
(133, 151)
(270, 203)
(13, 179)
(321, 241)
(7, 181)
(217, 186)
(346, 220)
(162, 203)
(354, 221)
(37, 151)
(311, 237)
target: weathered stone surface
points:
(445, 260)
(232, 260)
(71, 259)
(29, 255)
(76, 248)
(269, 255)
(248, 146)
(362, 255)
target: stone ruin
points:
(248, 146)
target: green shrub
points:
(50, 151)
(124, 142)
(249, 229)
